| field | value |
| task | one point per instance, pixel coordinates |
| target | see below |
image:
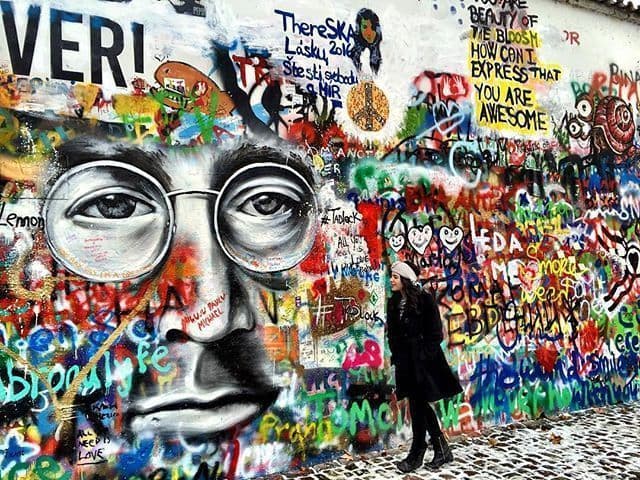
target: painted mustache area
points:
(225, 386)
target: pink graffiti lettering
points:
(370, 357)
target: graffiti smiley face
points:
(396, 242)
(419, 237)
(451, 237)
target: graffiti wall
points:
(200, 201)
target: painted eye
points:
(265, 217)
(626, 115)
(111, 205)
(108, 221)
(574, 127)
(268, 204)
(584, 108)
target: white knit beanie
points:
(405, 271)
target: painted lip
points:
(250, 403)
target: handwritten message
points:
(505, 68)
(317, 55)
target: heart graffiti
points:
(396, 242)
(447, 116)
(419, 237)
(451, 237)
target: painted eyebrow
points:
(248, 154)
(151, 159)
(85, 150)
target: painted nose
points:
(213, 310)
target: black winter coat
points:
(422, 370)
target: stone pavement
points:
(598, 443)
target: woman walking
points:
(422, 372)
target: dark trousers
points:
(423, 419)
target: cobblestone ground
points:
(599, 443)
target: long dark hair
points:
(361, 44)
(412, 294)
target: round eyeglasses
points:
(109, 221)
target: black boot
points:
(413, 460)
(442, 452)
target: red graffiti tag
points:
(369, 231)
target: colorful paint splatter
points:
(200, 201)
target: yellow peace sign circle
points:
(368, 106)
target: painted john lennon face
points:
(396, 282)
(217, 231)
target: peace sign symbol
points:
(368, 106)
